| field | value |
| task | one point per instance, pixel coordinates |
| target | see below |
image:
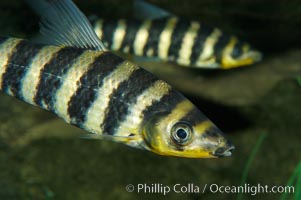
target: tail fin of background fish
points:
(65, 28)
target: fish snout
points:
(224, 151)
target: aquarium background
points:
(258, 107)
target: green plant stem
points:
(249, 162)
(296, 174)
(299, 80)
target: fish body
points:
(106, 95)
(170, 38)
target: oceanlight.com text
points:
(159, 188)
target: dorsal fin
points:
(144, 10)
(62, 23)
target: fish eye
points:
(181, 133)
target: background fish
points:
(93, 89)
(159, 34)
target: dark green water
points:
(41, 157)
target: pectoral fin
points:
(123, 139)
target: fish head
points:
(237, 54)
(184, 131)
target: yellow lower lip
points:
(185, 154)
(226, 64)
(250, 58)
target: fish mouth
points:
(223, 152)
(255, 55)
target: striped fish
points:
(169, 38)
(93, 89)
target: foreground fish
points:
(91, 88)
(169, 38)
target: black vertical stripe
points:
(132, 28)
(194, 117)
(220, 46)
(177, 38)
(163, 107)
(17, 67)
(52, 73)
(89, 83)
(155, 31)
(93, 19)
(122, 97)
(199, 42)
(108, 30)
